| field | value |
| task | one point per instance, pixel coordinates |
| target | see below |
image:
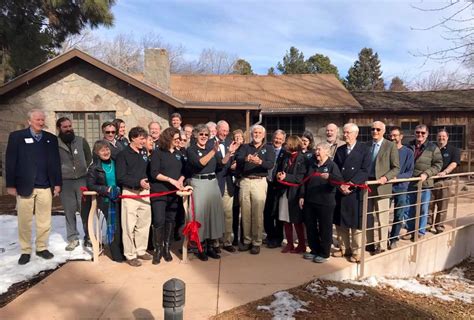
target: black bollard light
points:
(174, 293)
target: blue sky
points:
(262, 31)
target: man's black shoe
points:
(24, 258)
(273, 245)
(229, 248)
(255, 250)
(244, 247)
(45, 254)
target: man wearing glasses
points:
(428, 162)
(109, 131)
(384, 166)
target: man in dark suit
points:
(225, 182)
(353, 160)
(384, 166)
(33, 175)
(272, 224)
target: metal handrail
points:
(456, 178)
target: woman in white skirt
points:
(203, 159)
(292, 169)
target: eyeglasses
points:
(202, 134)
(184, 140)
(376, 129)
(109, 132)
(421, 132)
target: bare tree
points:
(127, 54)
(440, 79)
(457, 26)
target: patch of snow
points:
(317, 288)
(444, 287)
(11, 272)
(284, 306)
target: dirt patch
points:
(377, 303)
(20, 287)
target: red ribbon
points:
(150, 195)
(318, 174)
(191, 230)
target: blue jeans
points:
(399, 216)
(425, 200)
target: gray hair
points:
(381, 123)
(153, 122)
(324, 145)
(200, 127)
(279, 131)
(351, 127)
(333, 124)
(421, 127)
(211, 124)
(221, 123)
(32, 111)
(258, 126)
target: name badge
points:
(29, 140)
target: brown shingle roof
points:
(445, 100)
(275, 94)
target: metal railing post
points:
(419, 190)
(455, 204)
(365, 204)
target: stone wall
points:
(79, 88)
(317, 124)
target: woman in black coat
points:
(318, 200)
(291, 170)
(101, 179)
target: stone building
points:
(91, 92)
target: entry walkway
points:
(109, 290)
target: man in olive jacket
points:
(428, 162)
(76, 157)
(384, 166)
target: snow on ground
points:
(284, 306)
(11, 272)
(447, 287)
(318, 289)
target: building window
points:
(364, 134)
(88, 124)
(456, 135)
(291, 125)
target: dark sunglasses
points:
(109, 132)
(202, 134)
(420, 132)
(376, 129)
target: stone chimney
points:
(157, 68)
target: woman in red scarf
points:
(290, 172)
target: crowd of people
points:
(242, 190)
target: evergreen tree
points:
(242, 67)
(319, 63)
(397, 85)
(293, 62)
(365, 74)
(271, 71)
(31, 30)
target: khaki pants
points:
(350, 240)
(253, 193)
(136, 220)
(39, 202)
(380, 213)
(439, 205)
(227, 202)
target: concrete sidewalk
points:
(110, 290)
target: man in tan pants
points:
(131, 172)
(33, 175)
(384, 166)
(253, 162)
